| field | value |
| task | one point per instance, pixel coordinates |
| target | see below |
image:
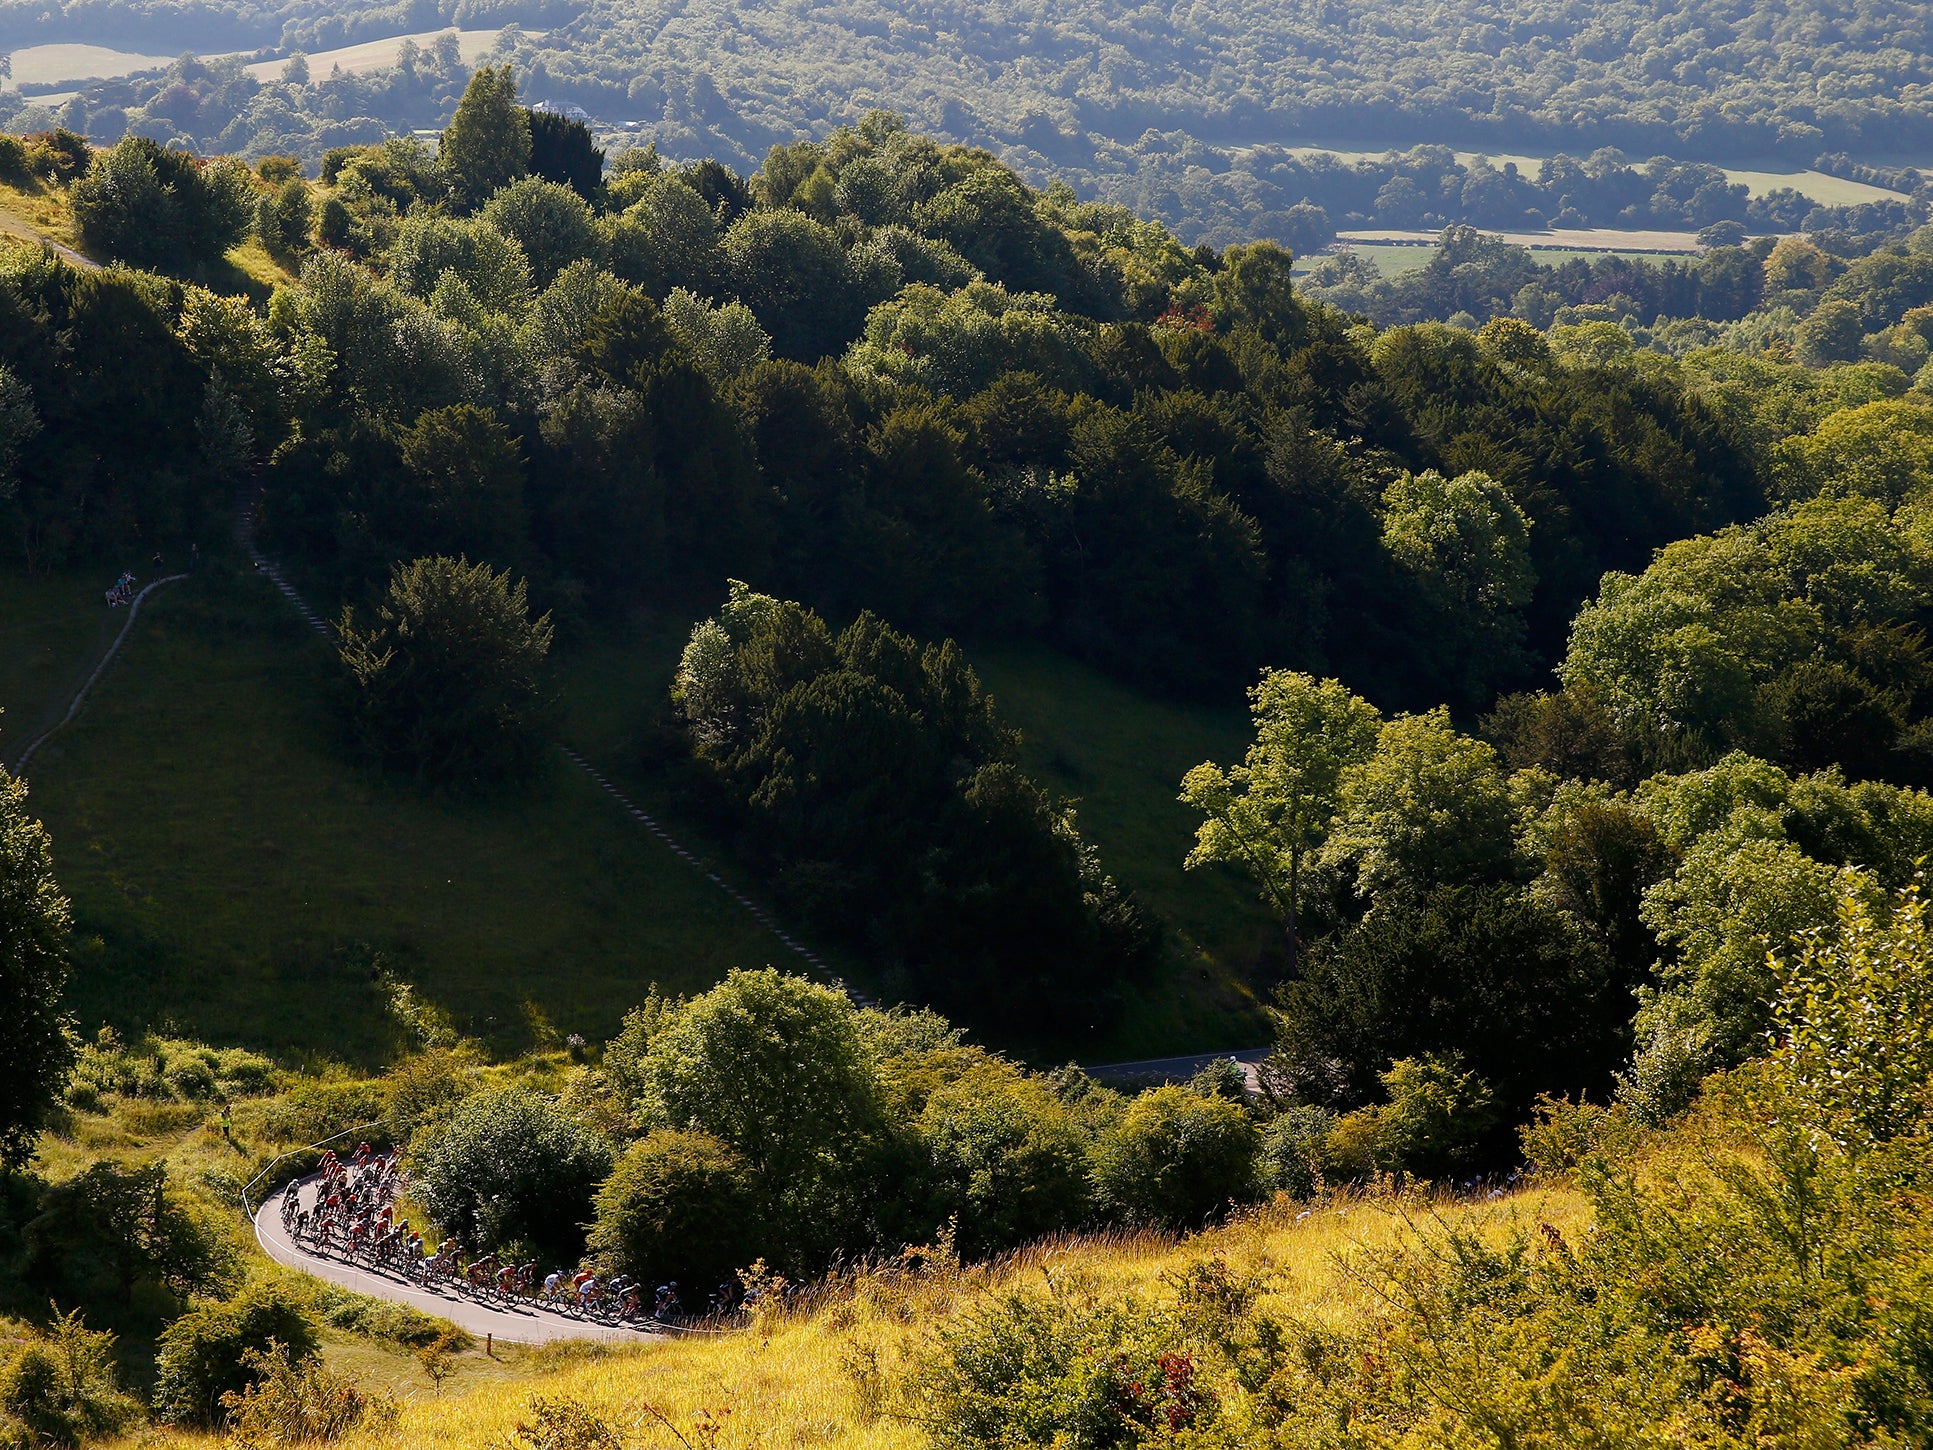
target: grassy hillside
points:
(828, 1370)
(230, 873)
(233, 876)
(1120, 756)
(52, 628)
(823, 1376)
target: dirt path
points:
(14, 225)
(80, 695)
(518, 1325)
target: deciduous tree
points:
(36, 1044)
(1268, 814)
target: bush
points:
(1222, 1078)
(392, 1324)
(62, 1388)
(449, 681)
(144, 204)
(424, 1089)
(513, 1170)
(776, 1067)
(204, 1355)
(1293, 1157)
(1034, 1369)
(120, 1241)
(1176, 1158)
(1008, 1161)
(294, 1400)
(1564, 1133)
(59, 156)
(1437, 1117)
(312, 1111)
(557, 1423)
(679, 1205)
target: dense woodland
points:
(1592, 724)
(1707, 81)
(1237, 190)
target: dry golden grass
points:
(802, 1379)
(254, 272)
(33, 212)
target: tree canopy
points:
(36, 1046)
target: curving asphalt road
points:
(1180, 1069)
(523, 1324)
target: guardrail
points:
(280, 1158)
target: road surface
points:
(518, 1325)
(1180, 1069)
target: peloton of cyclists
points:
(352, 1213)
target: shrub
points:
(1293, 1157)
(1032, 1369)
(204, 1355)
(295, 1400)
(62, 1387)
(449, 681)
(679, 1205)
(1353, 1149)
(1437, 1116)
(120, 1241)
(1176, 1158)
(392, 1324)
(557, 1423)
(776, 1067)
(1564, 1133)
(144, 204)
(512, 1169)
(59, 155)
(1222, 1078)
(1008, 1161)
(192, 1078)
(312, 1111)
(423, 1089)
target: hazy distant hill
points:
(1723, 79)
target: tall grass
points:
(822, 1370)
